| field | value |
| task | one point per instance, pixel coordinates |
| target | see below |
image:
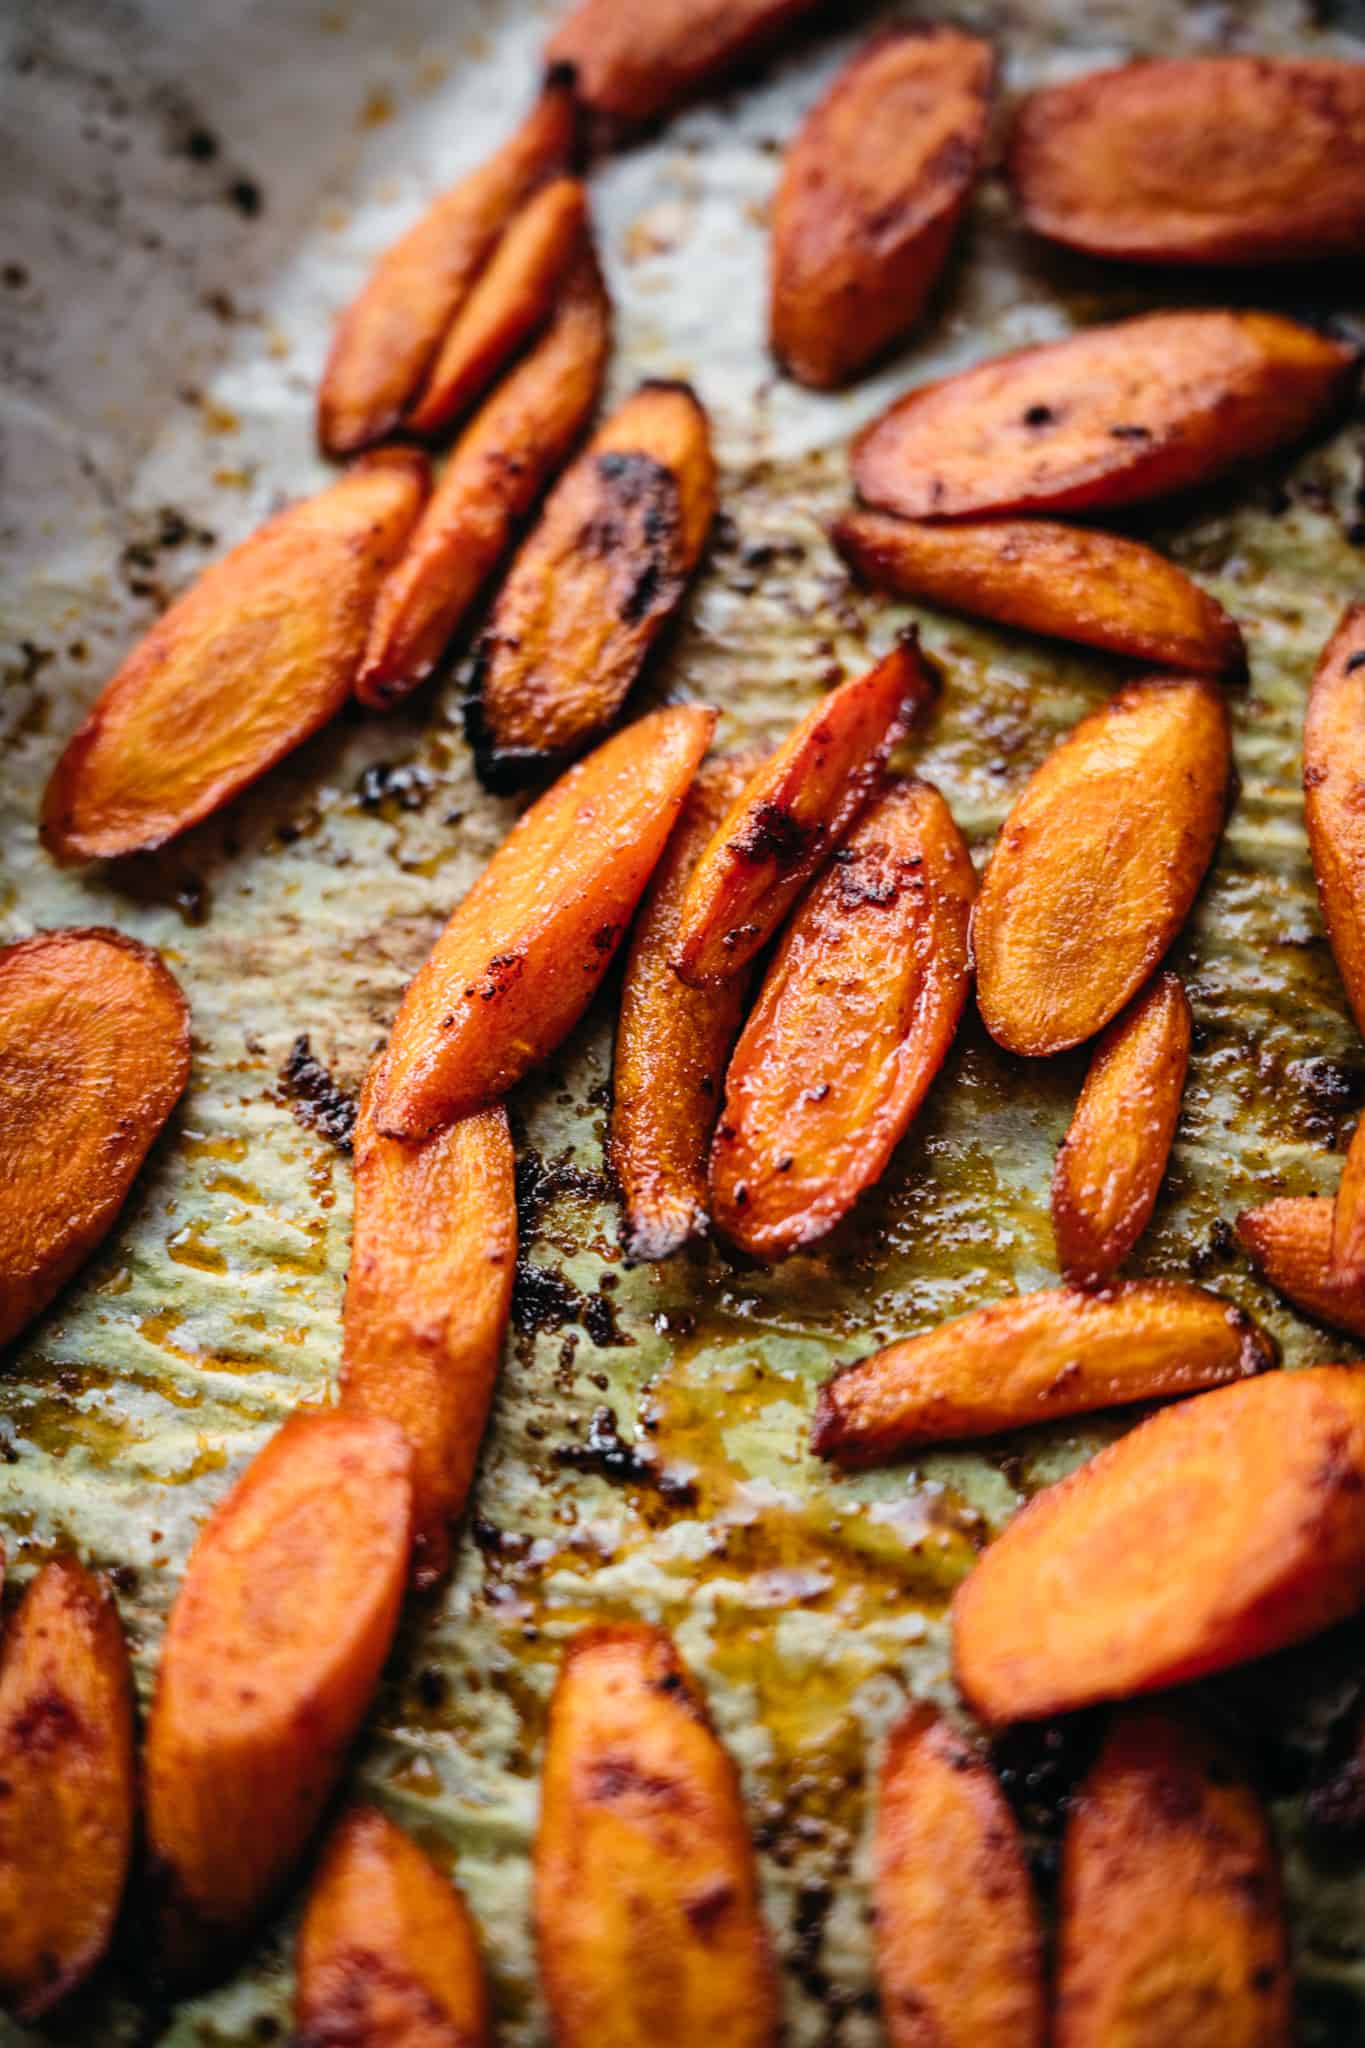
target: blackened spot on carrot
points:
(771, 831)
(1130, 433)
(1039, 416)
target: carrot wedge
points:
(854, 1019)
(272, 1651)
(672, 1042)
(793, 813)
(601, 574)
(646, 1906)
(632, 60)
(69, 1786)
(387, 1952)
(1172, 1927)
(1099, 862)
(1111, 1162)
(1071, 582)
(1220, 1529)
(521, 957)
(1289, 1242)
(872, 191)
(388, 338)
(94, 1056)
(1033, 1358)
(959, 1946)
(433, 1255)
(1110, 416)
(513, 446)
(252, 661)
(1348, 1218)
(1333, 771)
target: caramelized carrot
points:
(67, 1787)
(254, 659)
(959, 1948)
(518, 963)
(272, 1651)
(1348, 1218)
(388, 1956)
(646, 1902)
(793, 813)
(500, 465)
(94, 1056)
(1110, 416)
(1099, 862)
(1333, 771)
(1290, 1243)
(854, 1019)
(1172, 1927)
(388, 338)
(427, 1298)
(1220, 1529)
(632, 60)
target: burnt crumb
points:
(124, 1578)
(431, 1687)
(600, 1322)
(246, 195)
(772, 832)
(315, 1098)
(606, 1452)
(543, 1300)
(201, 145)
(404, 785)
(810, 1911)
(14, 277)
(539, 1182)
(1329, 1091)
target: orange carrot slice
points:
(631, 60)
(1290, 1243)
(1333, 771)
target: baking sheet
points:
(191, 193)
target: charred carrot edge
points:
(387, 1949)
(96, 1033)
(1219, 1530)
(1333, 770)
(1348, 1218)
(1170, 1903)
(631, 64)
(1290, 1243)
(641, 1821)
(958, 1942)
(69, 1779)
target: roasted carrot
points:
(1071, 582)
(1033, 1358)
(1110, 416)
(1333, 772)
(1172, 1927)
(959, 1947)
(672, 1043)
(1290, 1243)
(1099, 862)
(518, 963)
(1111, 1162)
(67, 1786)
(872, 190)
(646, 1907)
(387, 1956)
(1207, 160)
(500, 465)
(433, 1255)
(272, 1651)
(1220, 1529)
(388, 338)
(255, 658)
(791, 815)
(632, 60)
(854, 1020)
(1348, 1218)
(94, 1056)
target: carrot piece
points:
(671, 1043)
(272, 1651)
(251, 661)
(389, 336)
(1220, 1529)
(1110, 416)
(1111, 1162)
(646, 1902)
(959, 1948)
(1172, 1927)
(1208, 160)
(1033, 1358)
(854, 1019)
(388, 1956)
(1333, 772)
(872, 191)
(502, 462)
(433, 1256)
(1099, 862)
(632, 60)
(94, 1056)
(511, 299)
(1072, 582)
(1290, 1244)
(69, 1781)
(521, 957)
(600, 576)
(793, 813)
